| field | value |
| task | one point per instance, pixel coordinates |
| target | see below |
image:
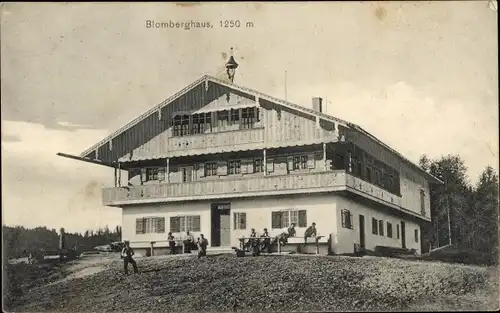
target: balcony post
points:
(264, 161)
(119, 174)
(167, 174)
(116, 176)
(324, 156)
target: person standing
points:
(202, 246)
(189, 242)
(171, 243)
(127, 254)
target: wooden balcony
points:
(215, 142)
(226, 188)
(324, 181)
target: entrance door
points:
(361, 231)
(187, 174)
(403, 237)
(221, 224)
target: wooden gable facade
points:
(210, 116)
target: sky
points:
(420, 76)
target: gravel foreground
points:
(226, 283)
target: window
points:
(235, 116)
(347, 219)
(211, 169)
(185, 223)
(282, 219)
(258, 165)
(397, 230)
(201, 123)
(300, 162)
(422, 202)
(381, 227)
(181, 125)
(223, 118)
(416, 235)
(152, 173)
(374, 226)
(389, 230)
(240, 220)
(150, 225)
(234, 167)
(248, 117)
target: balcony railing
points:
(313, 182)
(226, 188)
(215, 142)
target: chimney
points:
(317, 104)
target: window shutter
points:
(201, 170)
(270, 165)
(235, 221)
(343, 218)
(276, 220)
(175, 226)
(139, 226)
(311, 161)
(243, 221)
(351, 221)
(289, 161)
(143, 175)
(196, 223)
(160, 225)
(302, 218)
(222, 168)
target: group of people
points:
(264, 240)
(189, 244)
(201, 244)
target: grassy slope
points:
(227, 283)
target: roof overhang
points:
(88, 160)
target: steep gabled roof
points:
(256, 93)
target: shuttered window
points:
(139, 226)
(175, 224)
(150, 225)
(282, 219)
(374, 226)
(302, 218)
(185, 223)
(240, 220)
(276, 220)
(422, 202)
(389, 230)
(381, 227)
(346, 219)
